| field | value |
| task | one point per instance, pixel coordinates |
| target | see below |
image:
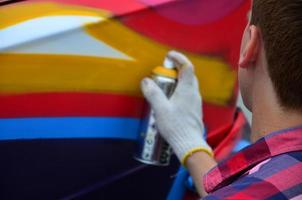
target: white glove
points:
(179, 119)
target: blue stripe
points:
(241, 145)
(178, 189)
(61, 128)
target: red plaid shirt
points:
(269, 169)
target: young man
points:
(270, 77)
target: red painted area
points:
(211, 111)
(70, 104)
(93, 104)
(224, 139)
(221, 37)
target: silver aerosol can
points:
(152, 148)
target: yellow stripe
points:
(42, 73)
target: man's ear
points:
(251, 50)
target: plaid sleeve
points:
(278, 178)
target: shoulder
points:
(279, 177)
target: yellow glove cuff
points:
(190, 153)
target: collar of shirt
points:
(274, 144)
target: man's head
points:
(272, 41)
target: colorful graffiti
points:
(69, 90)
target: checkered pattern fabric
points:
(269, 169)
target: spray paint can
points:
(152, 148)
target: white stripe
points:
(40, 28)
(76, 42)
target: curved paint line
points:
(104, 183)
(62, 128)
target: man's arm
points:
(198, 165)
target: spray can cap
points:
(168, 63)
(168, 69)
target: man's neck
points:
(269, 116)
(266, 121)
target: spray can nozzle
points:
(168, 63)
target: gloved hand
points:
(179, 119)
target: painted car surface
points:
(70, 101)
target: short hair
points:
(280, 22)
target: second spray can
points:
(152, 148)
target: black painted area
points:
(54, 169)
